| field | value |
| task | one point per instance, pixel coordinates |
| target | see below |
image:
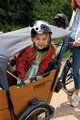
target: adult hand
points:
(76, 43)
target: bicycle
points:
(31, 102)
(66, 76)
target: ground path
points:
(63, 111)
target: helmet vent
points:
(43, 26)
(36, 28)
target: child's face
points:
(41, 40)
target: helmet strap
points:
(42, 50)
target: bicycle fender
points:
(34, 104)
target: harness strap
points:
(10, 105)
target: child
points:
(35, 59)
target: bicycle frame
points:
(64, 73)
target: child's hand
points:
(27, 81)
(39, 77)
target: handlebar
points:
(70, 45)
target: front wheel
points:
(39, 111)
(38, 114)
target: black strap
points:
(10, 105)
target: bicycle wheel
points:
(40, 112)
(67, 80)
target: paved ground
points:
(63, 111)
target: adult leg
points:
(76, 74)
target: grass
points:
(57, 42)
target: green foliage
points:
(15, 14)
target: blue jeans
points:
(75, 63)
(76, 67)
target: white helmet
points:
(40, 27)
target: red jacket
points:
(26, 58)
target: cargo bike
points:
(32, 101)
